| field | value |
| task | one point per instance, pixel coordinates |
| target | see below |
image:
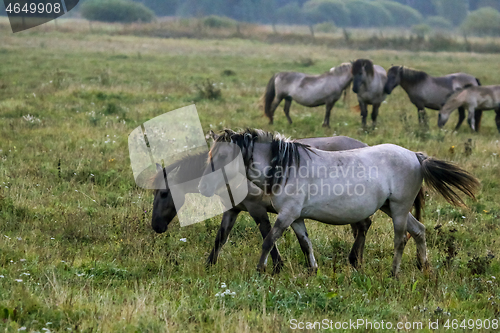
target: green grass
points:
(72, 218)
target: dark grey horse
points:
(430, 92)
(256, 205)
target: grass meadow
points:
(77, 252)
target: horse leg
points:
(461, 117)
(329, 106)
(364, 113)
(259, 214)
(417, 231)
(399, 214)
(276, 102)
(283, 222)
(422, 117)
(478, 114)
(228, 220)
(300, 230)
(497, 118)
(472, 118)
(288, 102)
(375, 109)
(359, 230)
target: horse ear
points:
(213, 135)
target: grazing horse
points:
(475, 99)
(338, 187)
(430, 92)
(368, 83)
(308, 90)
(255, 203)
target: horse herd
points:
(372, 84)
(345, 180)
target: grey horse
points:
(342, 187)
(475, 99)
(308, 90)
(368, 83)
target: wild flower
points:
(183, 240)
(31, 119)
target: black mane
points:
(358, 65)
(413, 76)
(284, 152)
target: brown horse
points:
(430, 92)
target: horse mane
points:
(358, 65)
(412, 75)
(284, 151)
(341, 69)
(185, 162)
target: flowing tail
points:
(269, 97)
(441, 176)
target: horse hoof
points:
(326, 125)
(261, 269)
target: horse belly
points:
(345, 208)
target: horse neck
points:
(342, 80)
(454, 102)
(261, 162)
(190, 168)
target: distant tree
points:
(368, 14)
(425, 7)
(359, 14)
(454, 11)
(402, 15)
(319, 11)
(290, 14)
(438, 22)
(116, 11)
(484, 21)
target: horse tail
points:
(478, 82)
(440, 175)
(269, 97)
